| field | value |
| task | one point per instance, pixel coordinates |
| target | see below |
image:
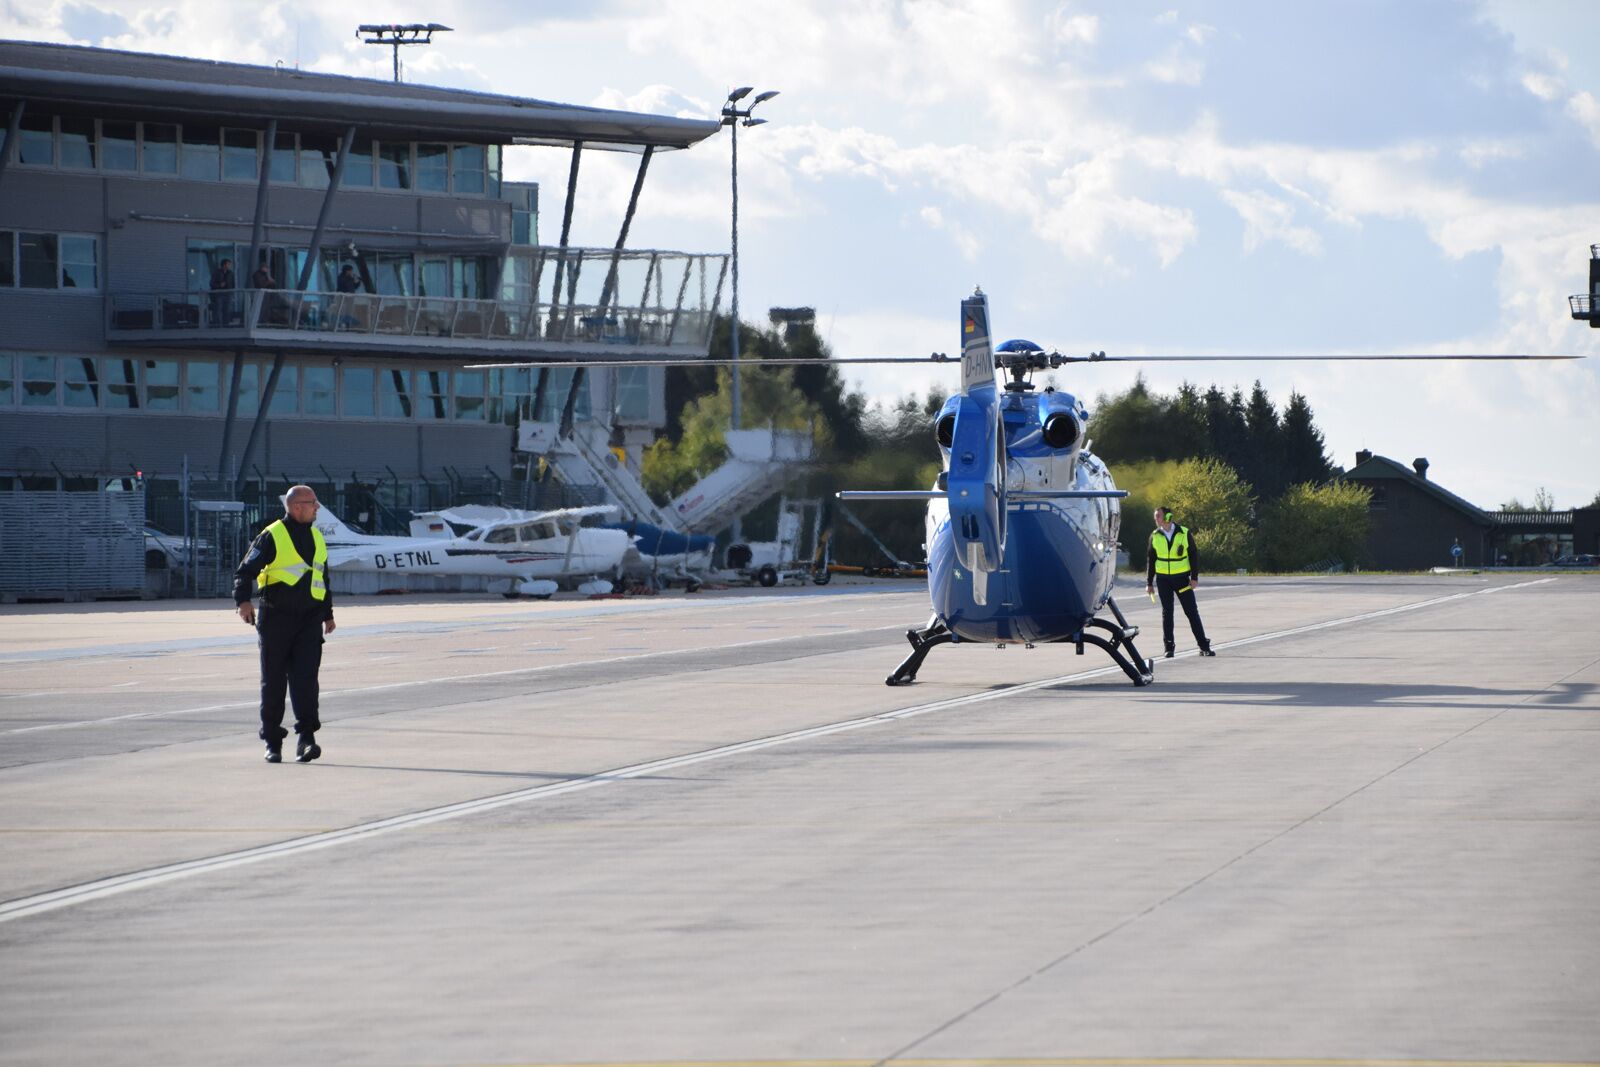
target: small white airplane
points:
(533, 549)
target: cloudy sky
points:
(1240, 177)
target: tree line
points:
(1256, 485)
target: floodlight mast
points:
(396, 34)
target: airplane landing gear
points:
(922, 642)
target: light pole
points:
(733, 117)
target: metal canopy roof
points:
(104, 79)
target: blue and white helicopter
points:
(1022, 524)
(1022, 527)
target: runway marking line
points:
(1075, 1061)
(115, 885)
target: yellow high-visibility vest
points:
(289, 568)
(1173, 558)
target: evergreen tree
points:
(1305, 457)
(1263, 468)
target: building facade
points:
(262, 276)
(1416, 523)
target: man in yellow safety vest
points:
(1173, 569)
(289, 561)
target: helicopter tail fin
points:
(977, 450)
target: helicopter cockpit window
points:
(501, 535)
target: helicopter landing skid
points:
(1121, 639)
(922, 642)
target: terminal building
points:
(219, 279)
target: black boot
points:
(1207, 651)
(274, 753)
(1170, 652)
(307, 750)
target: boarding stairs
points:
(758, 464)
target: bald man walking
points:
(289, 561)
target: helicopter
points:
(1023, 520)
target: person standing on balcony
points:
(222, 286)
(289, 561)
(348, 282)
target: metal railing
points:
(1582, 306)
(670, 311)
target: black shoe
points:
(274, 754)
(1169, 654)
(1207, 652)
(307, 750)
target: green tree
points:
(1137, 424)
(1263, 464)
(1211, 499)
(1305, 456)
(1315, 526)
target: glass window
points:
(355, 392)
(394, 166)
(38, 259)
(358, 165)
(204, 261)
(394, 277)
(510, 389)
(318, 398)
(7, 371)
(249, 390)
(433, 389)
(469, 277)
(286, 393)
(202, 387)
(469, 395)
(555, 396)
(467, 168)
(80, 262)
(160, 144)
(633, 393)
(435, 277)
(120, 384)
(36, 140)
(80, 383)
(119, 145)
(241, 155)
(161, 385)
(77, 142)
(433, 168)
(318, 152)
(8, 259)
(283, 153)
(394, 394)
(39, 381)
(494, 170)
(521, 227)
(202, 152)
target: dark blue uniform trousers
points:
(291, 654)
(1168, 586)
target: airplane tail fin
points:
(333, 528)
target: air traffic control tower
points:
(376, 252)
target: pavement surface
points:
(701, 830)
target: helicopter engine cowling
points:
(1060, 430)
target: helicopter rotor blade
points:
(929, 360)
(1055, 358)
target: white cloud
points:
(1586, 109)
(1267, 218)
(1543, 86)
